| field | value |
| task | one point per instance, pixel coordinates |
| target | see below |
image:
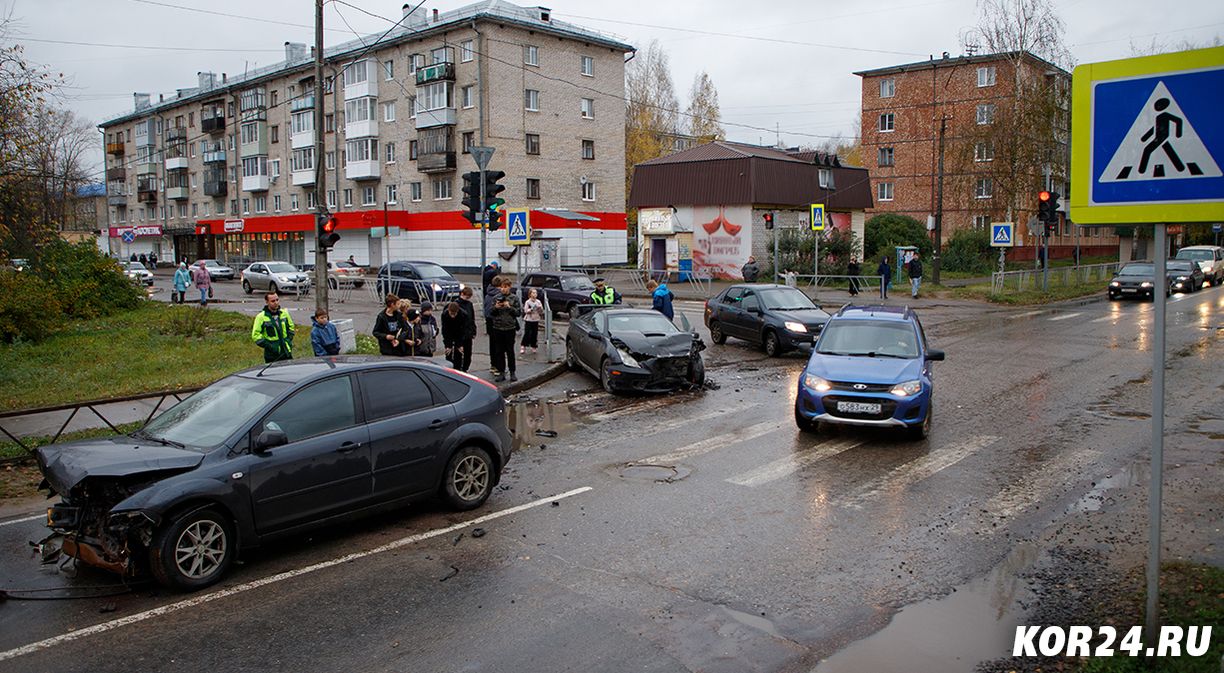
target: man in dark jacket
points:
(884, 271)
(751, 271)
(503, 311)
(914, 269)
(490, 273)
(387, 326)
(273, 330)
(454, 335)
(853, 270)
(467, 311)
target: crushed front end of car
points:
(654, 365)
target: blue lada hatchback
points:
(871, 366)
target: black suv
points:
(778, 317)
(566, 290)
(417, 282)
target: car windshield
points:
(785, 299)
(577, 283)
(646, 323)
(206, 418)
(281, 267)
(875, 338)
(136, 266)
(212, 263)
(345, 265)
(433, 271)
(1196, 255)
(1137, 270)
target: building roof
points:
(946, 61)
(722, 173)
(413, 27)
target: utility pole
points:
(935, 256)
(481, 162)
(320, 279)
(1045, 239)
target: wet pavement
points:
(716, 537)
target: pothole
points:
(664, 474)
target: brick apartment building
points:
(902, 108)
(226, 169)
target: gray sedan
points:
(274, 277)
(217, 270)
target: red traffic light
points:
(329, 225)
(1043, 196)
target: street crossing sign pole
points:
(482, 155)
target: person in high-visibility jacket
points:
(604, 294)
(273, 330)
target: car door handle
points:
(348, 447)
(437, 424)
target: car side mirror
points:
(755, 310)
(937, 356)
(270, 439)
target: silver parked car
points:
(137, 273)
(217, 270)
(274, 277)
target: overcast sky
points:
(781, 64)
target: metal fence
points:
(636, 279)
(95, 406)
(864, 285)
(1031, 279)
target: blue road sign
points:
(1217, 227)
(1002, 234)
(518, 226)
(128, 236)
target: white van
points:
(1209, 257)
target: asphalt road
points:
(702, 531)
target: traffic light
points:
(768, 220)
(327, 231)
(495, 203)
(471, 197)
(1047, 211)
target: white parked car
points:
(1210, 259)
(138, 274)
(274, 277)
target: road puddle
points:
(1094, 499)
(534, 421)
(943, 635)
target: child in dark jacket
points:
(323, 335)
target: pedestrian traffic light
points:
(491, 190)
(327, 231)
(768, 220)
(471, 197)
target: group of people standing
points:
(402, 330)
(185, 277)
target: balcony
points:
(178, 193)
(146, 195)
(303, 103)
(116, 174)
(438, 72)
(146, 167)
(436, 162)
(117, 200)
(213, 124)
(215, 188)
(115, 149)
(361, 89)
(363, 170)
(176, 163)
(365, 129)
(214, 157)
(303, 178)
(256, 183)
(177, 133)
(427, 119)
(302, 140)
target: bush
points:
(969, 251)
(89, 284)
(29, 307)
(883, 233)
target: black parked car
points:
(417, 281)
(566, 290)
(778, 317)
(634, 349)
(272, 451)
(1185, 276)
(1137, 279)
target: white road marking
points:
(35, 517)
(649, 405)
(675, 428)
(1065, 317)
(903, 476)
(1039, 484)
(790, 464)
(280, 577)
(1107, 318)
(1024, 315)
(743, 434)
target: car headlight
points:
(437, 288)
(816, 383)
(906, 389)
(1145, 284)
(462, 286)
(1115, 284)
(796, 327)
(627, 359)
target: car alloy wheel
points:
(468, 479)
(605, 376)
(571, 358)
(773, 347)
(572, 310)
(923, 429)
(193, 551)
(273, 288)
(246, 287)
(716, 333)
(804, 423)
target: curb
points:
(527, 383)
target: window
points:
(469, 141)
(389, 111)
(276, 203)
(886, 156)
(274, 134)
(531, 100)
(331, 160)
(986, 75)
(415, 61)
(348, 198)
(465, 51)
(254, 166)
(391, 191)
(984, 188)
(388, 69)
(533, 143)
(588, 149)
(531, 54)
(368, 196)
(983, 151)
(588, 191)
(246, 206)
(824, 178)
(302, 160)
(412, 150)
(412, 107)
(390, 151)
(275, 164)
(985, 113)
(888, 88)
(329, 123)
(362, 149)
(436, 96)
(300, 122)
(441, 55)
(274, 97)
(588, 66)
(331, 198)
(250, 133)
(441, 190)
(886, 122)
(182, 210)
(981, 222)
(293, 202)
(411, 393)
(533, 188)
(588, 108)
(312, 202)
(261, 204)
(195, 210)
(359, 110)
(465, 96)
(318, 409)
(356, 73)
(884, 191)
(414, 191)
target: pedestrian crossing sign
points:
(818, 217)
(518, 226)
(1147, 139)
(1002, 234)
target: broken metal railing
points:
(91, 405)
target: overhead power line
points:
(140, 46)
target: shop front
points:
(134, 241)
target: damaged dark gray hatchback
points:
(273, 451)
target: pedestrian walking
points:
(455, 337)
(503, 313)
(273, 330)
(468, 311)
(144, 259)
(323, 335)
(751, 270)
(153, 261)
(533, 313)
(429, 331)
(884, 271)
(604, 293)
(661, 299)
(134, 257)
(853, 270)
(387, 325)
(203, 282)
(489, 276)
(182, 279)
(914, 269)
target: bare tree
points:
(1016, 26)
(650, 112)
(704, 117)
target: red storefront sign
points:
(142, 230)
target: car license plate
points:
(858, 408)
(1128, 289)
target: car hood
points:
(66, 465)
(807, 316)
(864, 369)
(670, 345)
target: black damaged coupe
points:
(634, 350)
